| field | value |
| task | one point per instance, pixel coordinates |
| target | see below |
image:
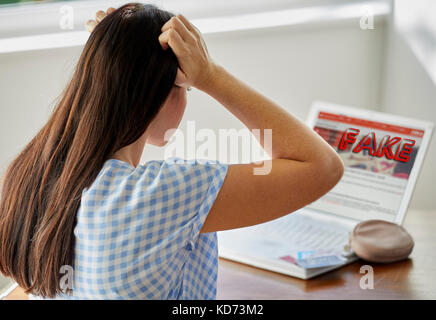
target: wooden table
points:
(414, 278)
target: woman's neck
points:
(131, 153)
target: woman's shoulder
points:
(183, 167)
(170, 170)
(180, 162)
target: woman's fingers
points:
(189, 26)
(177, 24)
(194, 61)
(100, 16)
(193, 30)
(90, 25)
(163, 40)
(172, 39)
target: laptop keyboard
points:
(304, 232)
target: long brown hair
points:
(121, 80)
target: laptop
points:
(316, 239)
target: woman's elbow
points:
(331, 170)
(338, 169)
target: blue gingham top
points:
(138, 232)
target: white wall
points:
(407, 89)
(29, 83)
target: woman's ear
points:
(181, 79)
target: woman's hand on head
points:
(100, 15)
(196, 68)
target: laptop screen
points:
(378, 159)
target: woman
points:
(77, 198)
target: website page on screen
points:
(378, 159)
